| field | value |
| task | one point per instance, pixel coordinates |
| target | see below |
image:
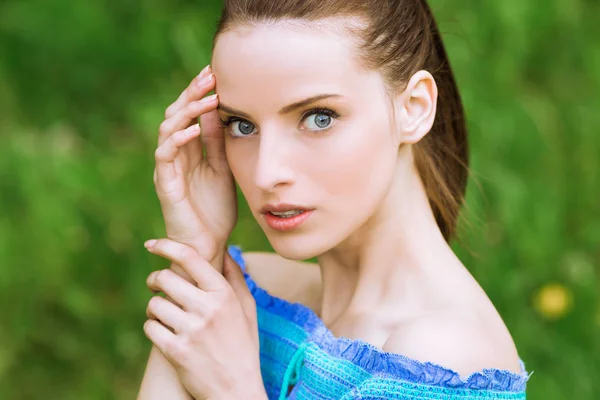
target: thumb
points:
(213, 140)
(234, 275)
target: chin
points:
(297, 246)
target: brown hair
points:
(400, 38)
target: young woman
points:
(341, 122)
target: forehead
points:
(291, 60)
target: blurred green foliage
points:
(83, 88)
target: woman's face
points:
(308, 126)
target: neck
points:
(386, 263)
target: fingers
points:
(187, 107)
(200, 270)
(166, 312)
(159, 335)
(188, 296)
(181, 272)
(234, 275)
(192, 92)
(184, 116)
(165, 155)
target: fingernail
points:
(150, 243)
(206, 80)
(211, 98)
(205, 70)
(193, 129)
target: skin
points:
(212, 320)
(387, 276)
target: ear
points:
(417, 105)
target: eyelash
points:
(226, 122)
(316, 110)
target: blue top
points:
(297, 350)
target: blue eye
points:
(318, 119)
(244, 127)
(238, 127)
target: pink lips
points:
(286, 224)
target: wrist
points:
(250, 386)
(255, 393)
(211, 250)
(218, 259)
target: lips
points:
(282, 207)
(286, 223)
(285, 219)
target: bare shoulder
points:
(294, 281)
(455, 342)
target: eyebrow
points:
(285, 110)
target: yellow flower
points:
(553, 301)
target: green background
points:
(83, 88)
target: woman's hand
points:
(208, 331)
(196, 192)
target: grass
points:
(83, 87)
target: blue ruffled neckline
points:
(373, 359)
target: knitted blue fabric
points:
(297, 349)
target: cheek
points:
(360, 167)
(239, 158)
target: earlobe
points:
(418, 103)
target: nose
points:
(273, 163)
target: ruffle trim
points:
(374, 360)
